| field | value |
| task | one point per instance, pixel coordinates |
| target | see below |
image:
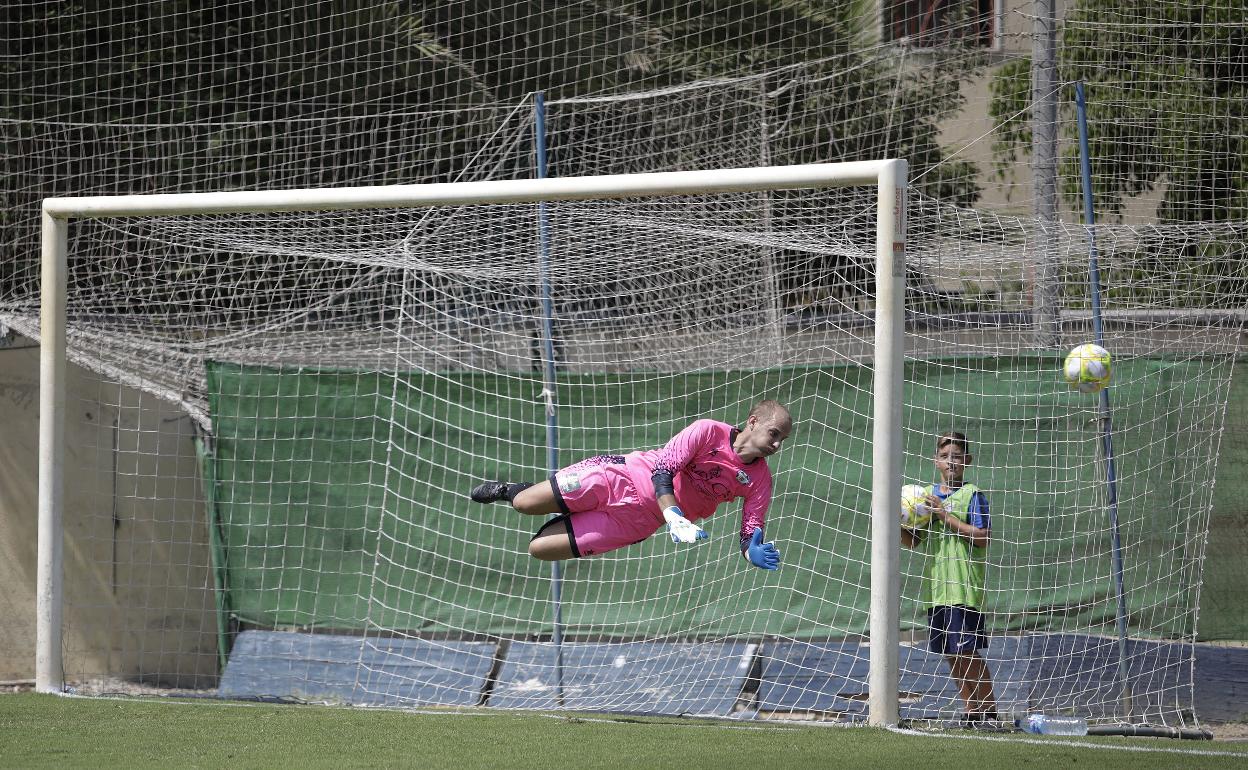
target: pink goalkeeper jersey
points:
(706, 471)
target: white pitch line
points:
(1080, 744)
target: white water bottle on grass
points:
(1045, 724)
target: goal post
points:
(49, 595)
(888, 176)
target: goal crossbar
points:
(890, 177)
(814, 175)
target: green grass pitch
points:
(39, 731)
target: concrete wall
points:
(138, 599)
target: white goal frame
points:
(890, 177)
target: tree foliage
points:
(162, 63)
(1167, 90)
(139, 96)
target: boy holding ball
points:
(956, 543)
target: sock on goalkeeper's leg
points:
(493, 491)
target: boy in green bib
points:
(955, 541)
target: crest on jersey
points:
(569, 482)
(743, 477)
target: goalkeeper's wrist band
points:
(663, 484)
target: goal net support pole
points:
(890, 177)
(548, 370)
(1107, 432)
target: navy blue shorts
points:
(955, 630)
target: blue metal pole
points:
(548, 387)
(1107, 440)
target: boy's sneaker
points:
(489, 492)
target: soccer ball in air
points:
(914, 510)
(1087, 368)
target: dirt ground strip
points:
(1229, 731)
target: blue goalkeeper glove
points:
(681, 529)
(762, 555)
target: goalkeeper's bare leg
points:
(552, 542)
(591, 520)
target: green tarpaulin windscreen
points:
(341, 499)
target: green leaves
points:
(1167, 89)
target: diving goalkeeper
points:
(607, 502)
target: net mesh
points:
(405, 363)
(348, 376)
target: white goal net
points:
(273, 419)
(350, 375)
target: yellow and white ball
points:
(1087, 368)
(914, 510)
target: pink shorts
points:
(601, 506)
